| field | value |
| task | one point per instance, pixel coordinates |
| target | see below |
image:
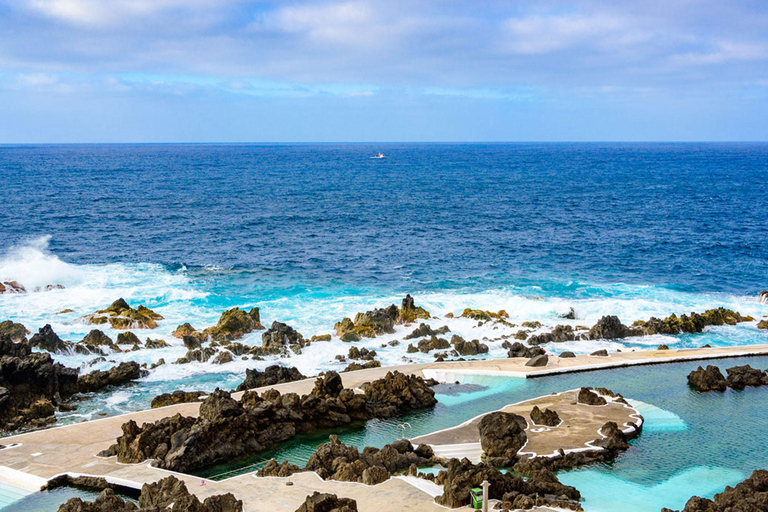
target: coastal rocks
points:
(31, 385)
(11, 287)
(502, 434)
(600, 353)
(468, 348)
(397, 393)
(379, 321)
(410, 312)
(153, 344)
(541, 489)
(762, 297)
(740, 377)
(567, 354)
(120, 315)
(200, 355)
(322, 502)
(233, 325)
(560, 334)
(177, 397)
(227, 428)
(425, 330)
(13, 330)
(517, 349)
(93, 341)
(609, 328)
(762, 324)
(279, 336)
(364, 354)
(428, 344)
(186, 329)
(46, 339)
(589, 397)
(747, 496)
(707, 380)
(128, 338)
(116, 376)
(271, 375)
(165, 494)
(540, 360)
(354, 366)
(547, 417)
(484, 316)
(691, 324)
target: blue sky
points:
(360, 70)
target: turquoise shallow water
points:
(693, 443)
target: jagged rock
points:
(559, 334)
(120, 374)
(353, 366)
(589, 397)
(517, 349)
(740, 377)
(233, 325)
(502, 434)
(15, 330)
(570, 315)
(614, 438)
(762, 324)
(542, 488)
(128, 338)
(120, 315)
(272, 468)
(177, 397)
(434, 343)
(379, 321)
(521, 335)
(600, 353)
(226, 429)
(200, 355)
(160, 362)
(567, 354)
(46, 339)
(484, 316)
(279, 336)
(152, 344)
(106, 501)
(191, 342)
(397, 393)
(763, 297)
(31, 385)
(694, 323)
(540, 360)
(547, 417)
(223, 357)
(751, 495)
(468, 348)
(425, 330)
(271, 375)
(409, 312)
(662, 347)
(364, 354)
(321, 337)
(707, 380)
(532, 325)
(11, 287)
(323, 502)
(609, 328)
(186, 329)
(93, 342)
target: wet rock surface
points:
(468, 348)
(323, 502)
(536, 361)
(280, 336)
(14, 330)
(424, 330)
(739, 377)
(166, 494)
(751, 495)
(610, 327)
(232, 325)
(120, 315)
(227, 428)
(177, 397)
(380, 321)
(120, 374)
(542, 488)
(46, 339)
(271, 375)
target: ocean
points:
(311, 233)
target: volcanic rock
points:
(271, 375)
(517, 349)
(46, 339)
(468, 348)
(120, 374)
(177, 397)
(14, 330)
(11, 287)
(323, 502)
(233, 324)
(128, 338)
(279, 336)
(120, 315)
(397, 393)
(589, 397)
(609, 328)
(707, 380)
(740, 377)
(547, 417)
(751, 495)
(425, 330)
(502, 434)
(540, 360)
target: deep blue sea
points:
(313, 233)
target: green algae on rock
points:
(120, 315)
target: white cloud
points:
(725, 51)
(545, 34)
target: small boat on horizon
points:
(378, 155)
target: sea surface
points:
(313, 233)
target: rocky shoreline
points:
(751, 495)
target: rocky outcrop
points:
(709, 379)
(14, 330)
(426, 345)
(354, 366)
(362, 353)
(280, 336)
(46, 339)
(128, 338)
(336, 461)
(560, 334)
(323, 502)
(226, 428)
(32, 386)
(740, 377)
(589, 397)
(186, 329)
(540, 360)
(547, 417)
(517, 349)
(541, 489)
(751, 495)
(164, 494)
(502, 434)
(379, 321)
(271, 375)
(94, 343)
(610, 327)
(425, 330)
(177, 397)
(600, 353)
(762, 297)
(120, 315)
(762, 324)
(120, 374)
(233, 325)
(11, 287)
(484, 316)
(468, 348)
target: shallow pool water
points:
(49, 501)
(693, 443)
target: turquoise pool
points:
(692, 444)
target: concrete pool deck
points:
(43, 454)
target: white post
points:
(485, 485)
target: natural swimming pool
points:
(692, 443)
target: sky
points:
(393, 70)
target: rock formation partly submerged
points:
(747, 496)
(379, 321)
(739, 377)
(610, 327)
(271, 375)
(120, 315)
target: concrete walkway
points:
(71, 449)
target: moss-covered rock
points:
(94, 343)
(120, 315)
(233, 325)
(484, 316)
(15, 331)
(128, 338)
(379, 321)
(150, 343)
